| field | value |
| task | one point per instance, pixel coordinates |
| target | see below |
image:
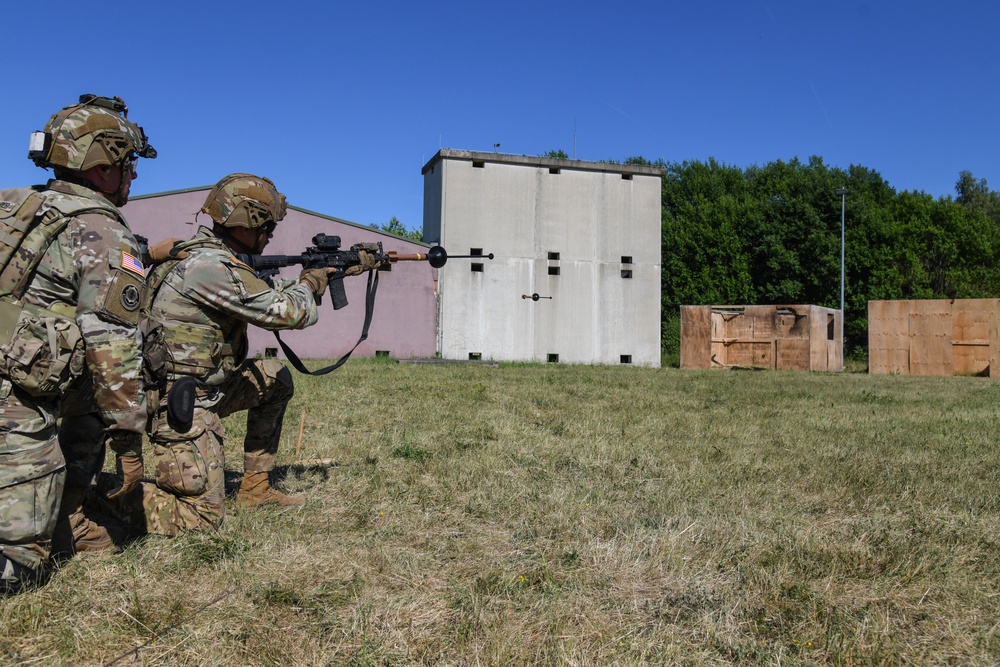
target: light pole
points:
(843, 193)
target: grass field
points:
(567, 515)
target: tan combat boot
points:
(255, 489)
(74, 532)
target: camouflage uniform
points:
(90, 274)
(204, 303)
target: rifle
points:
(326, 253)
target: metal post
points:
(843, 193)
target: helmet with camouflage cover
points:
(245, 200)
(96, 131)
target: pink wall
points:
(405, 308)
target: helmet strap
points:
(234, 243)
(120, 199)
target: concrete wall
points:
(405, 305)
(559, 228)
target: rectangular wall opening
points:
(626, 177)
(381, 353)
(552, 358)
(626, 259)
(478, 164)
(270, 352)
(475, 356)
(477, 267)
(626, 358)
(554, 256)
(626, 273)
(831, 323)
(553, 270)
(553, 170)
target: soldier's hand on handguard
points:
(366, 259)
(316, 280)
(128, 447)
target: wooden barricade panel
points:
(930, 337)
(749, 354)
(792, 354)
(795, 337)
(970, 336)
(888, 337)
(995, 340)
(696, 336)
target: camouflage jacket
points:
(205, 302)
(92, 267)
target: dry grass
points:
(544, 514)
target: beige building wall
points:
(583, 236)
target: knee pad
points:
(284, 376)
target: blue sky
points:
(341, 104)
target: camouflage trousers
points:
(190, 489)
(42, 462)
(32, 476)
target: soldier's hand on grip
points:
(316, 280)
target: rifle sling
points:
(293, 358)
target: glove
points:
(366, 262)
(160, 252)
(316, 280)
(129, 476)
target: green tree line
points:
(772, 235)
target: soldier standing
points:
(69, 310)
(204, 298)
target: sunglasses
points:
(129, 164)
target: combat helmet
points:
(245, 200)
(95, 131)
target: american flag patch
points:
(131, 263)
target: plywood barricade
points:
(796, 337)
(934, 337)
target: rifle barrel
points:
(436, 256)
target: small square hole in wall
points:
(478, 164)
(626, 273)
(554, 256)
(553, 170)
(475, 356)
(270, 352)
(626, 177)
(626, 259)
(478, 252)
(477, 267)
(381, 353)
(553, 358)
(553, 270)
(626, 358)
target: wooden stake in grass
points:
(302, 423)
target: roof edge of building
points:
(539, 161)
(306, 211)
